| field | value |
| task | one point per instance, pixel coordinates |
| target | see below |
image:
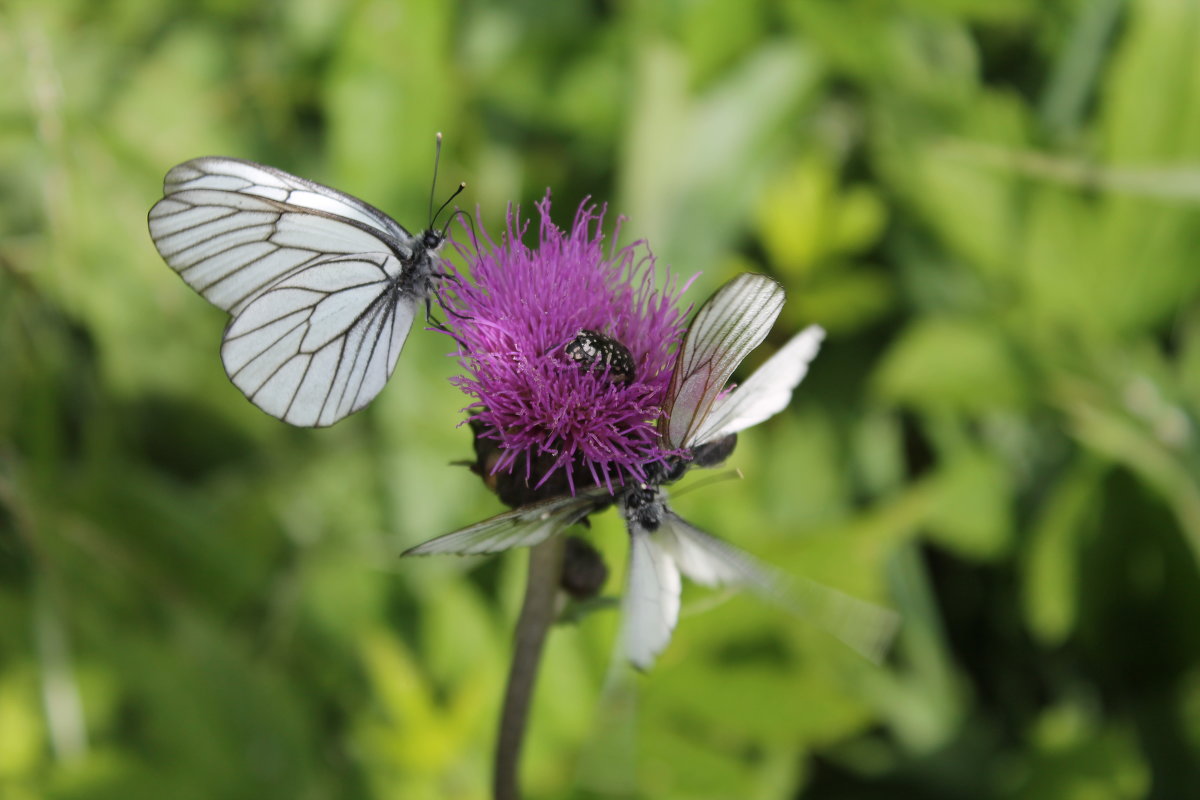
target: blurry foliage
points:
(995, 209)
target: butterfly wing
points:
(232, 228)
(727, 327)
(865, 628)
(521, 527)
(322, 342)
(650, 605)
(765, 393)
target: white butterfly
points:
(322, 287)
(698, 417)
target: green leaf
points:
(1051, 579)
(951, 364)
(973, 513)
(702, 157)
(842, 300)
(806, 220)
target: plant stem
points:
(537, 615)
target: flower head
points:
(566, 350)
(664, 547)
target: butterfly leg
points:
(437, 324)
(449, 309)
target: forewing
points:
(865, 628)
(726, 328)
(706, 559)
(521, 527)
(232, 229)
(322, 342)
(650, 605)
(246, 177)
(765, 393)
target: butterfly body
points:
(643, 505)
(424, 264)
(322, 287)
(714, 453)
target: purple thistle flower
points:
(520, 327)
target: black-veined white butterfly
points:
(322, 287)
(699, 416)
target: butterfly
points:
(322, 288)
(702, 419)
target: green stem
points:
(537, 615)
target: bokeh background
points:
(994, 207)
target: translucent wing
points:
(650, 606)
(321, 342)
(521, 527)
(233, 228)
(766, 392)
(726, 328)
(706, 559)
(865, 628)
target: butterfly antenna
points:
(458, 212)
(437, 157)
(449, 200)
(727, 475)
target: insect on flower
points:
(566, 351)
(322, 287)
(701, 420)
(594, 351)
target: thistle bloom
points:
(700, 418)
(551, 398)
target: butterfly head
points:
(432, 239)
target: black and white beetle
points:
(594, 351)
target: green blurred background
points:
(994, 207)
